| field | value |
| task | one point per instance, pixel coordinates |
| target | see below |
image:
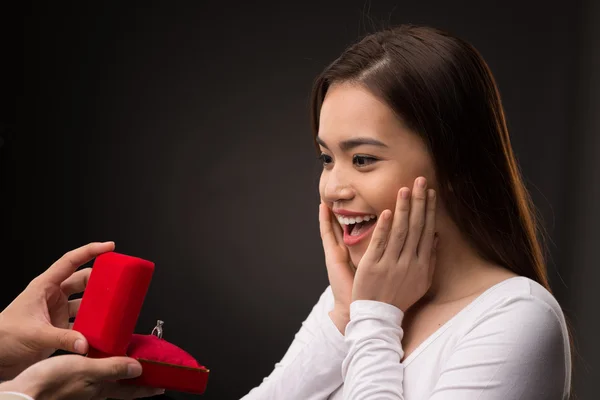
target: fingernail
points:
(404, 193)
(134, 370)
(79, 346)
(421, 182)
(158, 392)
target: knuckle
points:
(431, 195)
(63, 340)
(87, 250)
(86, 276)
(419, 195)
(419, 223)
(404, 206)
(428, 230)
(373, 270)
(36, 282)
(431, 204)
(380, 244)
(68, 255)
(90, 249)
(402, 231)
(118, 369)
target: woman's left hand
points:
(398, 266)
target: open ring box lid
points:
(107, 317)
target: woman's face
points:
(368, 155)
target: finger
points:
(74, 307)
(76, 283)
(63, 339)
(111, 368)
(380, 236)
(67, 264)
(115, 390)
(399, 224)
(433, 259)
(326, 226)
(427, 238)
(337, 229)
(417, 216)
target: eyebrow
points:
(349, 144)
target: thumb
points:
(63, 339)
(113, 368)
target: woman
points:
(449, 300)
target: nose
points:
(335, 186)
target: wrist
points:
(28, 389)
(340, 319)
(35, 388)
(5, 340)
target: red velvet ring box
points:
(107, 317)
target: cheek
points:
(322, 183)
(380, 190)
(387, 184)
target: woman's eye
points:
(363, 161)
(325, 159)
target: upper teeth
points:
(354, 220)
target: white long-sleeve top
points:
(509, 343)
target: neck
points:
(457, 268)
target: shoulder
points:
(520, 298)
(520, 316)
(514, 332)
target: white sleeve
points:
(311, 367)
(14, 396)
(517, 350)
(372, 368)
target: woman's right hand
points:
(339, 267)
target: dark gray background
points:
(181, 132)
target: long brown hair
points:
(441, 87)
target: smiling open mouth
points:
(356, 228)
